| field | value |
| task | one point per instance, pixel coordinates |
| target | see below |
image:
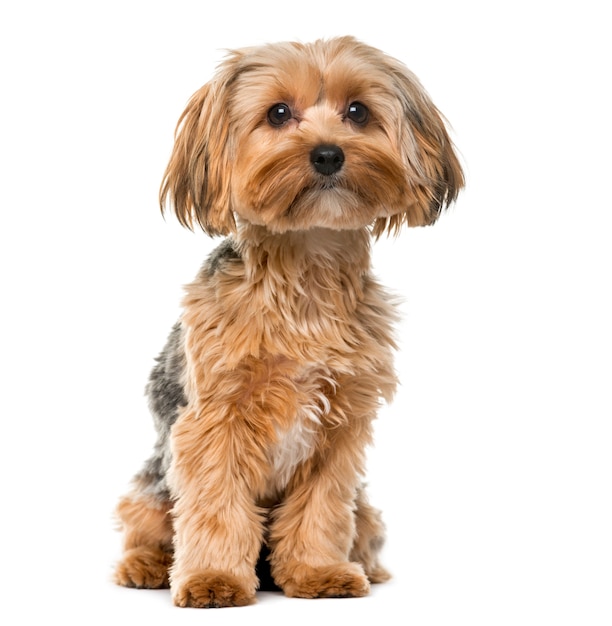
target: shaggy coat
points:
(265, 393)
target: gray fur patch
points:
(226, 251)
(166, 396)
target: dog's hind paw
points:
(212, 589)
(144, 568)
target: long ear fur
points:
(197, 180)
(428, 153)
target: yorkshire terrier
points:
(265, 393)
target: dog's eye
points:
(279, 114)
(358, 113)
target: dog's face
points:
(291, 136)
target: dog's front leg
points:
(217, 526)
(312, 532)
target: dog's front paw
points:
(343, 580)
(212, 589)
(144, 567)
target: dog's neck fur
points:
(303, 261)
(299, 291)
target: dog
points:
(300, 155)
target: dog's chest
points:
(296, 442)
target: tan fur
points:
(288, 345)
(147, 542)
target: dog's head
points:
(293, 136)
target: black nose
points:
(327, 158)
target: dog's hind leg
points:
(147, 527)
(144, 514)
(369, 539)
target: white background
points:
(493, 464)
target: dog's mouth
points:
(326, 203)
(329, 181)
(327, 184)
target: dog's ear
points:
(435, 173)
(197, 180)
